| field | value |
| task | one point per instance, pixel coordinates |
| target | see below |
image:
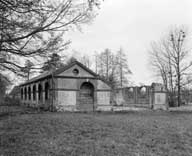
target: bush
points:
(8, 101)
(171, 103)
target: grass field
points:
(111, 134)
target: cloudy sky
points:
(132, 25)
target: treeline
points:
(111, 66)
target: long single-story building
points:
(70, 88)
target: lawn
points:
(86, 134)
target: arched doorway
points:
(87, 97)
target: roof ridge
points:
(58, 71)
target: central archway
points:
(86, 97)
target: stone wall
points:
(103, 96)
(151, 97)
(132, 96)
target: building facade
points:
(71, 88)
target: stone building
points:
(71, 88)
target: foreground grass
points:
(134, 134)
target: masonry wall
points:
(65, 94)
(103, 96)
(132, 96)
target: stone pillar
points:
(30, 100)
(36, 99)
(151, 97)
(21, 96)
(136, 95)
(159, 97)
(43, 93)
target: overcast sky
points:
(132, 24)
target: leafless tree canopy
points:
(36, 27)
(113, 67)
(170, 59)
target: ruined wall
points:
(132, 96)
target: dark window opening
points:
(75, 71)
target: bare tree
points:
(96, 61)
(36, 27)
(86, 60)
(105, 66)
(113, 67)
(71, 60)
(123, 69)
(169, 58)
(105, 63)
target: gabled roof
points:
(58, 71)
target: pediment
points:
(76, 71)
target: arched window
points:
(75, 71)
(130, 92)
(29, 92)
(34, 92)
(21, 93)
(46, 91)
(39, 92)
(25, 93)
(143, 92)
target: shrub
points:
(8, 101)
